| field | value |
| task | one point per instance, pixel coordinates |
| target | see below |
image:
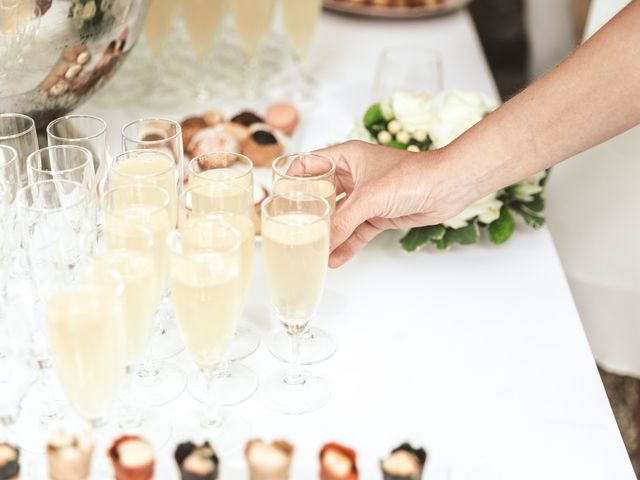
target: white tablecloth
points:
(477, 354)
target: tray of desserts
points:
(395, 8)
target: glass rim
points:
(178, 132)
(214, 184)
(142, 151)
(25, 206)
(291, 195)
(85, 151)
(154, 208)
(175, 235)
(12, 160)
(322, 176)
(31, 127)
(220, 152)
(53, 123)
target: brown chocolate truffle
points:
(246, 118)
(262, 148)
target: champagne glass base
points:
(311, 394)
(152, 390)
(245, 341)
(233, 386)
(166, 338)
(154, 428)
(316, 346)
(227, 437)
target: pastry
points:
(197, 463)
(68, 456)
(268, 460)
(246, 118)
(212, 118)
(190, 126)
(132, 458)
(9, 462)
(262, 147)
(213, 139)
(338, 462)
(240, 132)
(404, 463)
(282, 116)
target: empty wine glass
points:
(233, 204)
(207, 287)
(295, 253)
(315, 174)
(147, 205)
(62, 162)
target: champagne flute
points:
(157, 28)
(252, 20)
(295, 252)
(165, 136)
(203, 19)
(315, 174)
(300, 18)
(62, 162)
(206, 283)
(19, 132)
(53, 217)
(147, 205)
(84, 131)
(128, 250)
(232, 203)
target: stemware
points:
(84, 131)
(206, 283)
(53, 216)
(295, 252)
(233, 204)
(407, 68)
(62, 162)
(129, 250)
(315, 174)
(147, 205)
(166, 136)
(252, 20)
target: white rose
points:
(454, 112)
(528, 187)
(487, 210)
(412, 111)
(89, 10)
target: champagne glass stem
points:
(131, 415)
(51, 410)
(222, 369)
(293, 375)
(212, 419)
(148, 366)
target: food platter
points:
(369, 9)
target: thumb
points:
(349, 215)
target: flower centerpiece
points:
(419, 122)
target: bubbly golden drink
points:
(295, 249)
(203, 19)
(241, 179)
(158, 23)
(321, 188)
(87, 339)
(252, 21)
(300, 18)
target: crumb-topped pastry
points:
(268, 460)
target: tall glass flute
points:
(157, 29)
(252, 20)
(9, 184)
(128, 250)
(231, 169)
(165, 136)
(315, 174)
(203, 19)
(62, 162)
(206, 283)
(295, 252)
(235, 382)
(300, 18)
(85, 325)
(84, 131)
(54, 216)
(19, 131)
(147, 205)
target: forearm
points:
(589, 98)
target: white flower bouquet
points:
(88, 13)
(419, 122)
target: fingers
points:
(349, 215)
(362, 235)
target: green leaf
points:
(464, 236)
(417, 238)
(501, 229)
(396, 144)
(373, 115)
(531, 218)
(536, 205)
(441, 244)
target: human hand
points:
(385, 189)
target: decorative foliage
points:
(421, 122)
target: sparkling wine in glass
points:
(228, 167)
(295, 252)
(314, 174)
